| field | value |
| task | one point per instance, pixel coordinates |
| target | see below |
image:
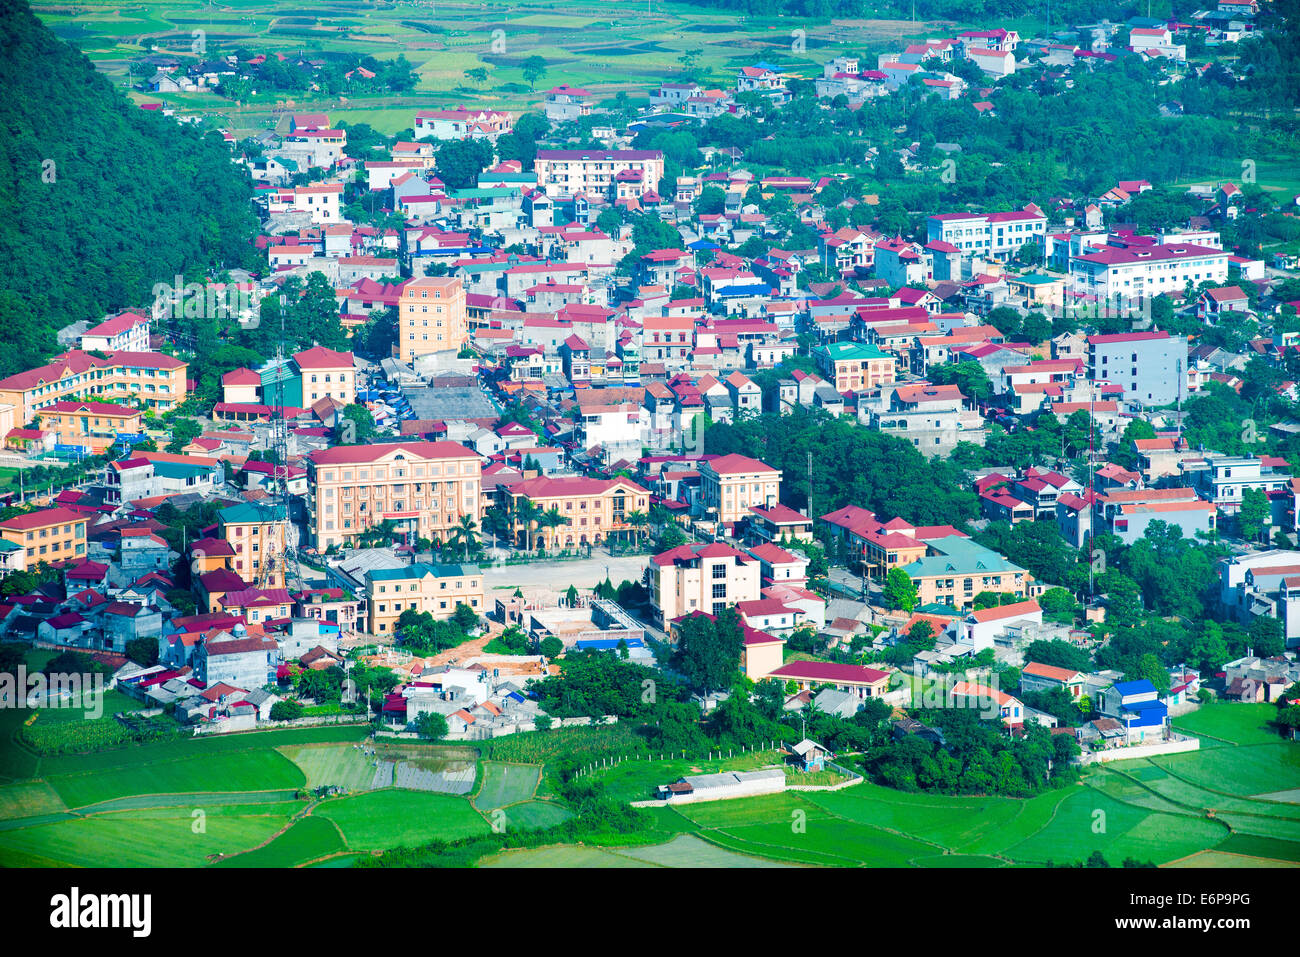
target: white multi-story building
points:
(1157, 41)
(1146, 364)
(562, 174)
(1121, 270)
(988, 234)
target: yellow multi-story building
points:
(257, 535)
(94, 426)
(854, 366)
(422, 487)
(592, 509)
(431, 317)
(437, 589)
(48, 535)
(155, 380)
(326, 374)
(955, 569)
(730, 485)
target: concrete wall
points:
(1179, 746)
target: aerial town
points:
(508, 450)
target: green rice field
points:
(620, 46)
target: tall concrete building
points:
(431, 317)
(1151, 366)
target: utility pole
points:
(810, 486)
(1178, 370)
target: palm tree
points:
(465, 534)
(552, 518)
(498, 520)
(527, 512)
(638, 521)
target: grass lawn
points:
(836, 842)
(208, 747)
(108, 705)
(505, 784)
(142, 838)
(379, 820)
(306, 840)
(686, 850)
(1237, 723)
(956, 823)
(1223, 859)
(560, 857)
(958, 860)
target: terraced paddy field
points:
(252, 800)
(380, 820)
(618, 46)
(145, 837)
(682, 851)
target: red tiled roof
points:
(828, 671)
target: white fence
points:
(1176, 745)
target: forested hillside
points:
(99, 200)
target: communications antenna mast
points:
(280, 476)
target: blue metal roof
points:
(607, 644)
(1146, 706)
(1127, 688)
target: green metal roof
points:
(421, 570)
(959, 556)
(247, 512)
(854, 350)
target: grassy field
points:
(1243, 771)
(29, 800)
(637, 780)
(143, 838)
(379, 820)
(505, 784)
(339, 765)
(1089, 820)
(306, 840)
(1231, 723)
(237, 771)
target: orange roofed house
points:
(326, 374)
(422, 487)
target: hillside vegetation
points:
(99, 199)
